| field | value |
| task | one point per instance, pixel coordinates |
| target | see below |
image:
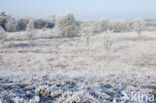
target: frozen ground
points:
(63, 70)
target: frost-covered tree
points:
(2, 36)
(31, 31)
(139, 25)
(66, 26)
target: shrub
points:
(8, 23)
(43, 91)
(18, 100)
(3, 20)
(85, 27)
(66, 26)
(77, 97)
(94, 27)
(36, 99)
(139, 25)
(22, 24)
(2, 36)
(87, 42)
(119, 26)
(11, 26)
(31, 30)
(100, 26)
(49, 24)
(107, 41)
(39, 24)
(104, 25)
(51, 18)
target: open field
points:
(65, 70)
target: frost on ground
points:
(65, 70)
(62, 88)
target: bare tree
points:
(139, 25)
(31, 31)
(2, 36)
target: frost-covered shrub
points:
(11, 26)
(87, 42)
(39, 24)
(85, 27)
(66, 26)
(22, 23)
(2, 22)
(51, 18)
(43, 91)
(36, 99)
(100, 26)
(129, 25)
(49, 24)
(139, 25)
(8, 23)
(18, 100)
(2, 36)
(76, 97)
(119, 26)
(104, 25)
(107, 41)
(94, 27)
(31, 30)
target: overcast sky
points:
(82, 9)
